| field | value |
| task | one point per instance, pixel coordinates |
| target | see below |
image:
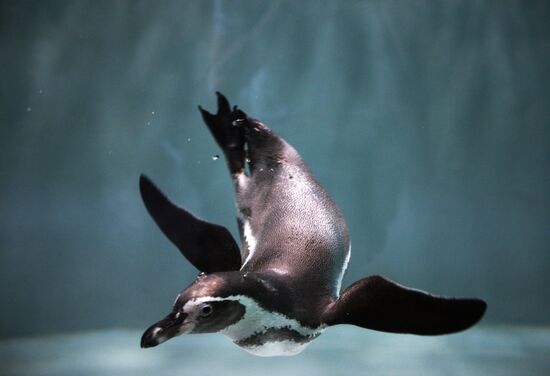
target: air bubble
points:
(215, 157)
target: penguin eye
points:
(206, 310)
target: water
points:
(427, 122)
(488, 350)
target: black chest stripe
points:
(276, 335)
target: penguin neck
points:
(264, 332)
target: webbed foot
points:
(226, 127)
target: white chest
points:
(279, 348)
(265, 333)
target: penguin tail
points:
(379, 304)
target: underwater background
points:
(427, 121)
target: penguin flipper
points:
(380, 304)
(209, 247)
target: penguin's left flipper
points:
(380, 304)
(209, 247)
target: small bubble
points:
(110, 152)
(148, 123)
(189, 139)
(215, 157)
(29, 109)
(248, 160)
(271, 170)
(261, 169)
(234, 123)
(152, 112)
(40, 91)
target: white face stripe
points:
(255, 320)
(250, 241)
(343, 272)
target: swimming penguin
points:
(284, 289)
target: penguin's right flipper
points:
(380, 304)
(209, 247)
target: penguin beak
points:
(172, 325)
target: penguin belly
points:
(268, 333)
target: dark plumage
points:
(283, 289)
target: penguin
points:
(284, 289)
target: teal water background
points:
(427, 121)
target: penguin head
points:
(205, 306)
